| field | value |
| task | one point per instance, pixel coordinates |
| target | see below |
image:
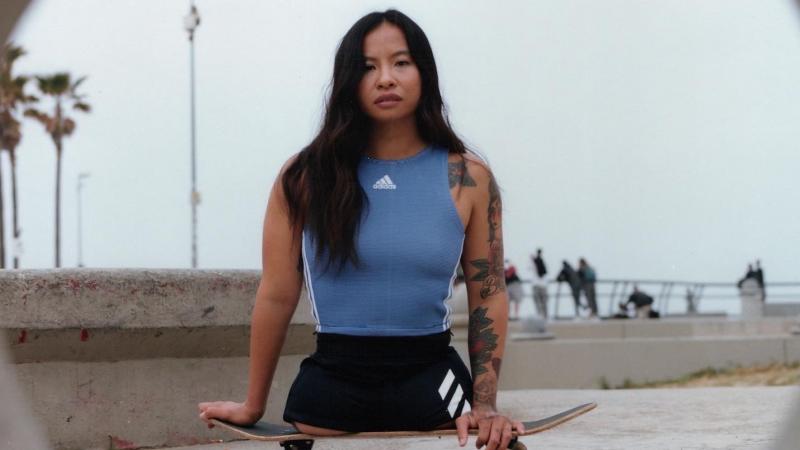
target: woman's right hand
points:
(235, 413)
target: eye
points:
(403, 62)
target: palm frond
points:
(39, 116)
(12, 51)
(56, 84)
(77, 83)
(80, 106)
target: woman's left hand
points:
(494, 429)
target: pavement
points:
(692, 418)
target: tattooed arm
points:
(482, 260)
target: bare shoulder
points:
(277, 193)
(478, 169)
(288, 163)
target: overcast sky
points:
(657, 139)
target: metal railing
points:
(670, 297)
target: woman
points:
(379, 210)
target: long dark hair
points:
(321, 185)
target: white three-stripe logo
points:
(458, 395)
(384, 183)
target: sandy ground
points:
(772, 375)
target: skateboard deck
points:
(290, 438)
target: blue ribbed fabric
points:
(409, 243)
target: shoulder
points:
(290, 176)
(477, 168)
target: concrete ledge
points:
(647, 419)
(141, 403)
(119, 358)
(125, 298)
(621, 329)
(103, 344)
(587, 364)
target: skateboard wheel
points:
(305, 444)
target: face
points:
(390, 88)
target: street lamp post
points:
(81, 176)
(190, 23)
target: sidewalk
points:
(704, 418)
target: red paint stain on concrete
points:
(84, 335)
(92, 285)
(23, 336)
(75, 286)
(121, 444)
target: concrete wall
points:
(684, 327)
(119, 358)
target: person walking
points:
(539, 284)
(588, 278)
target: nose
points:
(385, 79)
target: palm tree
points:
(12, 93)
(58, 125)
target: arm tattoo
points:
(495, 210)
(495, 282)
(457, 174)
(482, 341)
(485, 392)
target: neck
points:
(395, 140)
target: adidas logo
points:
(384, 183)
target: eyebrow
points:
(395, 54)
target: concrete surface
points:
(707, 418)
(18, 428)
(671, 327)
(586, 363)
(119, 358)
(139, 403)
(790, 436)
(125, 298)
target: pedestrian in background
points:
(514, 288)
(588, 278)
(759, 276)
(539, 284)
(570, 276)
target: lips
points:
(387, 98)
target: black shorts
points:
(355, 383)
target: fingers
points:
(496, 432)
(210, 410)
(505, 434)
(206, 415)
(519, 427)
(462, 427)
(484, 432)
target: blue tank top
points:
(409, 244)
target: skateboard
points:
(291, 439)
